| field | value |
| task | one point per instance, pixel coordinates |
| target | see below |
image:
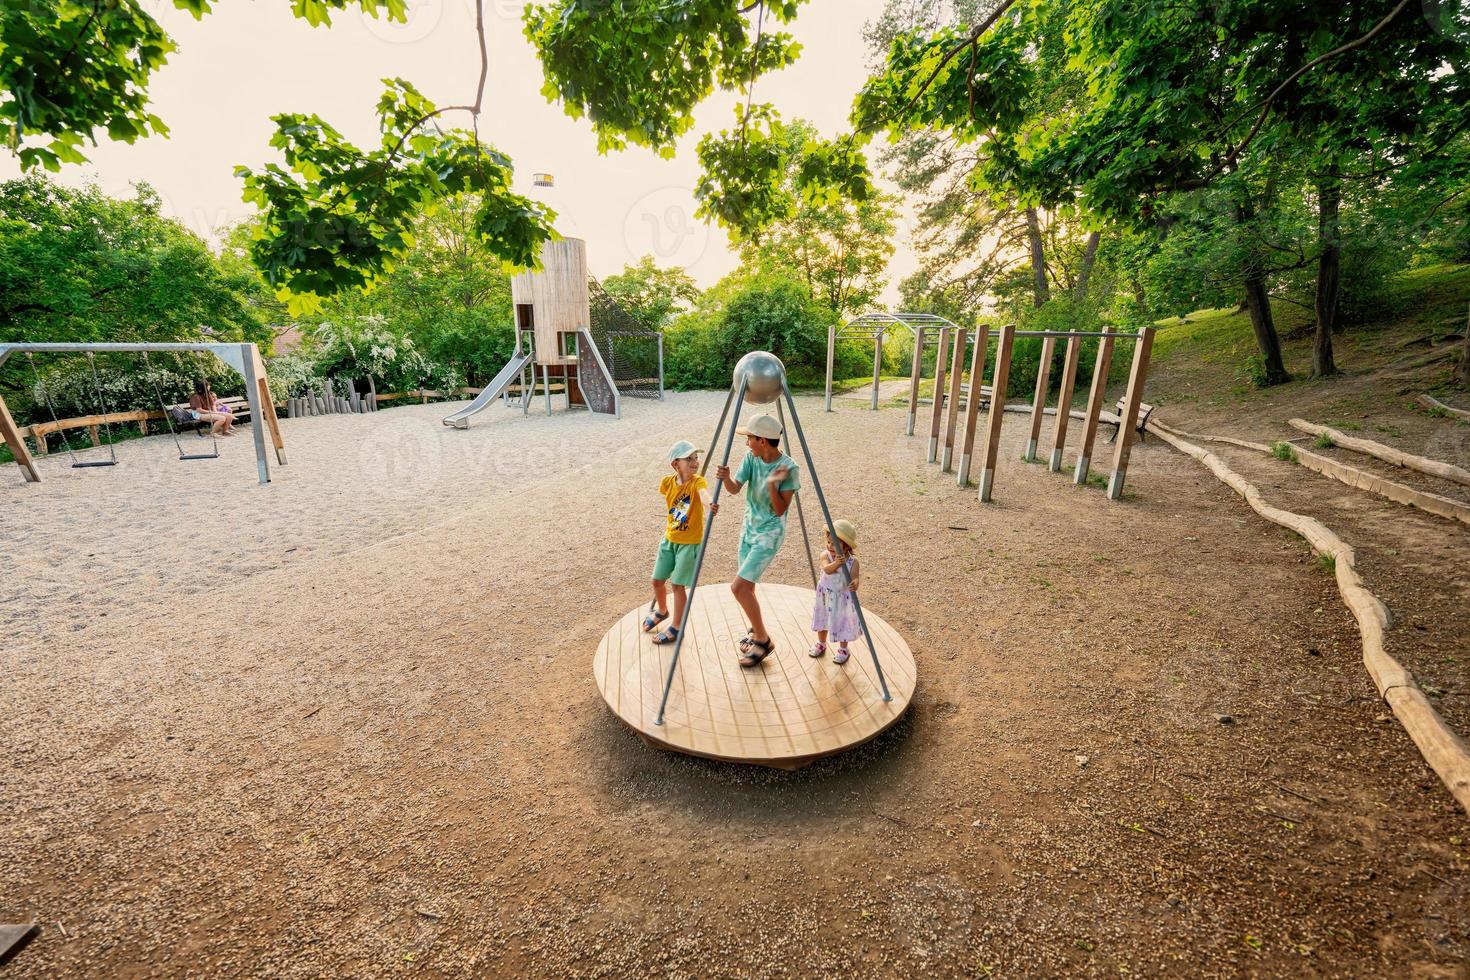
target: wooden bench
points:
(1144, 411)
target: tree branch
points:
(968, 42)
(1233, 154)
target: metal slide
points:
(492, 391)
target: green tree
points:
(336, 216)
(78, 266)
(449, 297)
(838, 248)
(651, 294)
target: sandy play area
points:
(346, 725)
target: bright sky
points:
(246, 61)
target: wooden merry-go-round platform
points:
(785, 713)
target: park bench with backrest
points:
(1144, 411)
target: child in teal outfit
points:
(774, 480)
(685, 506)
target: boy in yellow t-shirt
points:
(685, 506)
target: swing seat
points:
(92, 463)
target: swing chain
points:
(50, 409)
(101, 405)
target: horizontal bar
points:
(1076, 333)
(7, 349)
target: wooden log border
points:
(1431, 503)
(1429, 401)
(1444, 751)
(1445, 471)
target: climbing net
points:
(634, 353)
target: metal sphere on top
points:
(763, 374)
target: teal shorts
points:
(756, 556)
(675, 563)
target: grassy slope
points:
(1201, 362)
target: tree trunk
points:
(1462, 373)
(1258, 304)
(1038, 258)
(1329, 271)
(1088, 258)
(1257, 301)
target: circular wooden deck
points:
(785, 713)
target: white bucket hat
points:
(761, 426)
(683, 449)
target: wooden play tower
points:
(553, 317)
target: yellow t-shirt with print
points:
(686, 509)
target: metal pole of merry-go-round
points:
(714, 440)
(806, 539)
(709, 524)
(827, 515)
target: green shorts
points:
(756, 556)
(675, 563)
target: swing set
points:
(243, 358)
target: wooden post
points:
(1038, 402)
(831, 353)
(972, 405)
(266, 411)
(938, 394)
(1064, 401)
(956, 376)
(997, 409)
(914, 377)
(143, 426)
(1137, 375)
(373, 391)
(877, 366)
(38, 436)
(249, 360)
(11, 432)
(1094, 407)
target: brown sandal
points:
(758, 651)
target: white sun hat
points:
(762, 427)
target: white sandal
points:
(818, 650)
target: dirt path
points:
(888, 390)
(383, 752)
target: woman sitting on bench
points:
(204, 407)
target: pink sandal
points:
(840, 657)
(818, 650)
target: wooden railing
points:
(93, 423)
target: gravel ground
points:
(346, 724)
